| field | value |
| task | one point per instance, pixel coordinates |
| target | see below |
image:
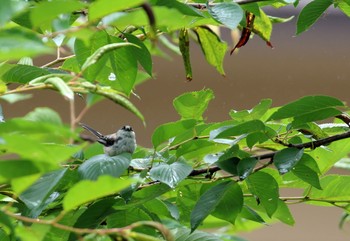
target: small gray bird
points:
(114, 144)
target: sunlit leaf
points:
(16, 43)
(44, 114)
(192, 105)
(310, 13)
(61, 86)
(15, 97)
(213, 47)
(79, 194)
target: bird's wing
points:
(96, 133)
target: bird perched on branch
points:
(114, 144)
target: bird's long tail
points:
(96, 133)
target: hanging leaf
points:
(264, 187)
(213, 198)
(310, 13)
(184, 46)
(213, 47)
(245, 35)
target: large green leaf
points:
(142, 53)
(264, 187)
(170, 174)
(166, 131)
(19, 73)
(87, 191)
(335, 188)
(239, 129)
(310, 13)
(39, 195)
(212, 200)
(101, 8)
(16, 43)
(245, 167)
(104, 165)
(44, 114)
(308, 109)
(228, 13)
(193, 104)
(283, 213)
(45, 12)
(286, 159)
(198, 148)
(10, 8)
(213, 47)
(262, 26)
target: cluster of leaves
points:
(198, 174)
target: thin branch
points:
(57, 61)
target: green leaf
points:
(345, 8)
(87, 191)
(61, 86)
(104, 165)
(310, 13)
(123, 218)
(170, 174)
(306, 174)
(239, 129)
(256, 112)
(142, 54)
(309, 108)
(213, 48)
(213, 198)
(286, 159)
(265, 188)
(101, 51)
(18, 73)
(198, 148)
(12, 169)
(101, 8)
(283, 213)
(183, 234)
(44, 114)
(39, 195)
(45, 12)
(335, 189)
(245, 167)
(10, 8)
(15, 97)
(262, 26)
(5, 221)
(228, 13)
(164, 132)
(251, 214)
(181, 7)
(40, 153)
(16, 43)
(184, 46)
(193, 104)
(95, 214)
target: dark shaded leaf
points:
(286, 159)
